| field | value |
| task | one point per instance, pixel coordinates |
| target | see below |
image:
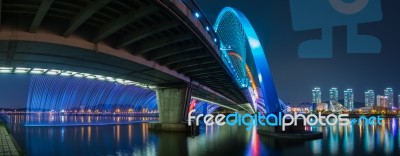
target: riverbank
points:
(8, 145)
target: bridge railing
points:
(195, 9)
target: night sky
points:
(295, 77)
(13, 90)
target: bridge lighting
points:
(254, 43)
(215, 39)
(6, 68)
(100, 77)
(197, 15)
(53, 72)
(38, 71)
(127, 82)
(232, 20)
(207, 28)
(71, 73)
(78, 75)
(68, 73)
(216, 103)
(111, 79)
(5, 71)
(86, 74)
(20, 70)
(121, 81)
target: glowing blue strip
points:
(58, 93)
(263, 72)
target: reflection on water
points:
(135, 139)
(74, 120)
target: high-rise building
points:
(369, 98)
(390, 97)
(333, 96)
(349, 99)
(382, 101)
(398, 100)
(316, 95)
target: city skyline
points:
(369, 96)
(295, 77)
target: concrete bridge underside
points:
(156, 42)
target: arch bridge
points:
(165, 45)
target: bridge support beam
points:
(172, 108)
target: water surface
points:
(135, 139)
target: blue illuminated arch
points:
(59, 93)
(249, 37)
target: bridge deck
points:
(163, 39)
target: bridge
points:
(165, 45)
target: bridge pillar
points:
(172, 108)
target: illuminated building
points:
(333, 96)
(390, 98)
(382, 101)
(369, 98)
(316, 95)
(322, 107)
(349, 99)
(398, 102)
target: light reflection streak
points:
(369, 140)
(130, 134)
(62, 134)
(333, 141)
(89, 128)
(118, 133)
(316, 147)
(384, 139)
(254, 146)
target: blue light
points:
(60, 93)
(207, 28)
(215, 40)
(230, 21)
(197, 15)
